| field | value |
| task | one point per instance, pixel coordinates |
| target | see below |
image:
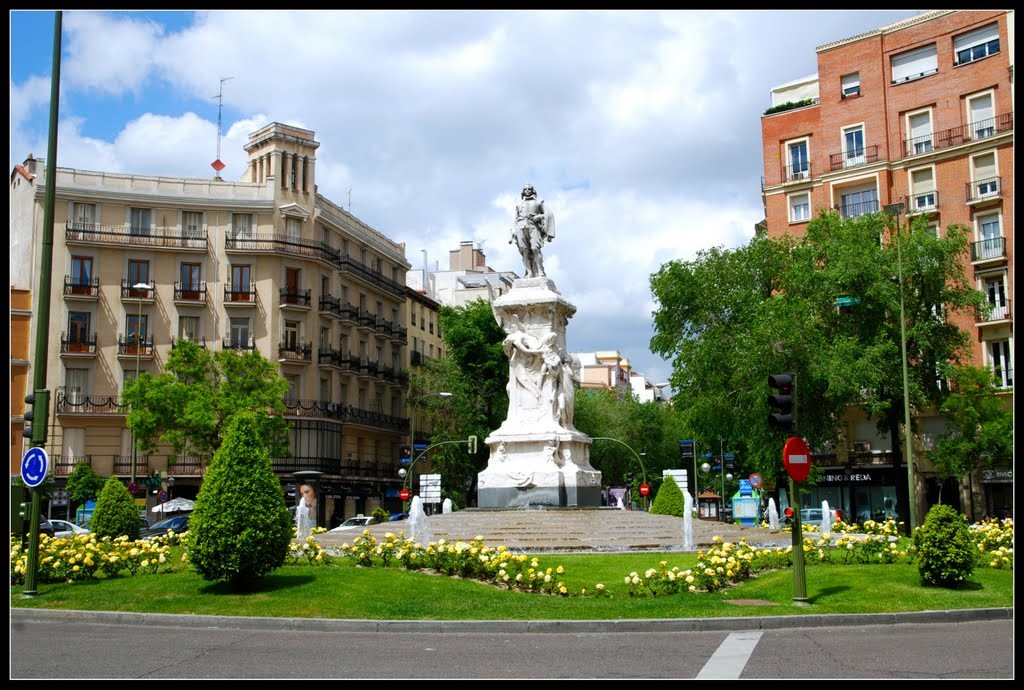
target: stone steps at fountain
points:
(557, 529)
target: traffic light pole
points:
(799, 574)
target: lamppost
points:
(138, 359)
(894, 211)
(412, 432)
(706, 470)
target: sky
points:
(640, 129)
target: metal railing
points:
(988, 188)
(81, 288)
(853, 158)
(994, 248)
(192, 293)
(77, 344)
(134, 236)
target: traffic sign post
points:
(755, 481)
(404, 494)
(796, 456)
(35, 463)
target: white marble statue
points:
(534, 225)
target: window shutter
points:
(920, 125)
(914, 63)
(985, 167)
(922, 183)
(976, 37)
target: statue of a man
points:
(533, 226)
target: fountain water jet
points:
(688, 540)
(419, 531)
(826, 519)
(773, 514)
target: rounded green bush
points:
(115, 514)
(670, 499)
(240, 528)
(945, 550)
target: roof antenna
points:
(218, 165)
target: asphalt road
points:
(932, 645)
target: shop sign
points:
(994, 475)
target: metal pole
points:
(908, 451)
(721, 469)
(799, 574)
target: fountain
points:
(688, 540)
(773, 514)
(419, 531)
(826, 519)
(446, 507)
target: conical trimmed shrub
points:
(670, 499)
(115, 514)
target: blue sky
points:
(641, 129)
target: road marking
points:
(729, 660)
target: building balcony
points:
(923, 203)
(78, 345)
(187, 466)
(295, 298)
(240, 295)
(238, 344)
(123, 465)
(80, 289)
(76, 402)
(193, 293)
(201, 342)
(918, 146)
(329, 305)
(295, 353)
(347, 414)
(853, 158)
(121, 236)
(989, 190)
(367, 321)
(135, 295)
(996, 314)
(288, 466)
(863, 208)
(416, 358)
(965, 134)
(797, 173)
(63, 465)
(134, 346)
(988, 251)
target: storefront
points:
(861, 494)
(997, 489)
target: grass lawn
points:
(343, 590)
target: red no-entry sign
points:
(644, 489)
(796, 456)
(404, 494)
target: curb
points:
(27, 615)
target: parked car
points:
(176, 524)
(63, 528)
(813, 516)
(360, 522)
(395, 517)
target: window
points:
(292, 228)
(293, 386)
(986, 182)
(136, 328)
(138, 272)
(241, 226)
(412, 314)
(81, 271)
(325, 389)
(325, 286)
(84, 214)
(431, 324)
(920, 127)
(76, 385)
(325, 337)
(343, 345)
(241, 278)
(851, 85)
(977, 44)
(188, 328)
(190, 274)
(239, 330)
(853, 146)
(139, 221)
(799, 208)
(380, 355)
(857, 201)
(999, 360)
(380, 309)
(799, 165)
(291, 335)
(982, 116)
(292, 278)
(192, 224)
(914, 64)
(343, 393)
(78, 327)
(995, 290)
(922, 185)
(991, 236)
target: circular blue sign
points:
(34, 465)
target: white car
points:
(63, 528)
(360, 522)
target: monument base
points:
(548, 469)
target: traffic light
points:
(405, 454)
(37, 412)
(25, 511)
(783, 402)
(629, 479)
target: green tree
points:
(730, 318)
(981, 425)
(240, 528)
(84, 484)
(670, 499)
(190, 403)
(115, 514)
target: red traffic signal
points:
(404, 494)
(644, 489)
(789, 512)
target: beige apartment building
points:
(914, 119)
(141, 263)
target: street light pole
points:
(138, 359)
(894, 211)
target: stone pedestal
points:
(537, 457)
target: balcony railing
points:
(995, 312)
(347, 414)
(994, 248)
(919, 145)
(130, 292)
(63, 465)
(988, 188)
(193, 292)
(295, 352)
(123, 465)
(240, 294)
(859, 209)
(973, 132)
(82, 288)
(188, 466)
(77, 344)
(201, 342)
(134, 236)
(853, 158)
(82, 403)
(134, 345)
(238, 344)
(924, 202)
(1003, 376)
(791, 173)
(294, 296)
